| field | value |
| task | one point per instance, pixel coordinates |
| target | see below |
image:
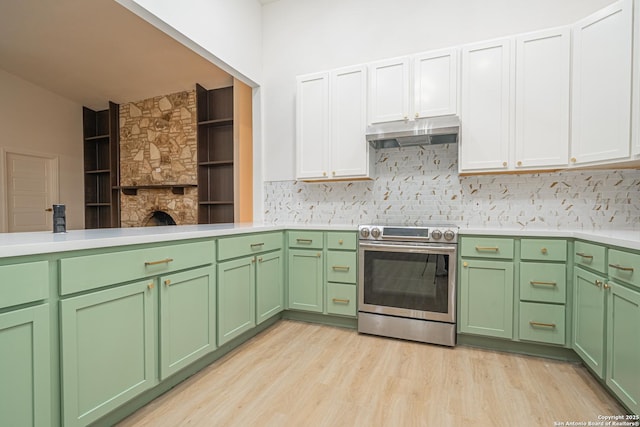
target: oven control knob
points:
(449, 235)
(436, 234)
(375, 232)
(364, 232)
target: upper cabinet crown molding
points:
(602, 76)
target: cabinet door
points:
(187, 318)
(269, 286)
(486, 298)
(542, 99)
(486, 71)
(107, 350)
(236, 298)
(389, 90)
(25, 388)
(312, 126)
(305, 280)
(588, 319)
(348, 145)
(601, 94)
(435, 80)
(623, 345)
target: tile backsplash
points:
(419, 185)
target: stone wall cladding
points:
(421, 185)
(158, 146)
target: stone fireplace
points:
(158, 160)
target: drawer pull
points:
(544, 251)
(487, 248)
(150, 286)
(256, 245)
(534, 283)
(545, 325)
(306, 241)
(167, 282)
(607, 286)
(598, 283)
(260, 259)
(340, 301)
(340, 241)
(341, 267)
(162, 261)
(619, 267)
(583, 255)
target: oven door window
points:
(412, 281)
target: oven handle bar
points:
(427, 249)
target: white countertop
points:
(17, 244)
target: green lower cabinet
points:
(25, 390)
(269, 286)
(542, 323)
(236, 298)
(589, 318)
(187, 318)
(341, 299)
(486, 298)
(623, 344)
(305, 280)
(108, 350)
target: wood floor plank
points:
(300, 374)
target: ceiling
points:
(95, 51)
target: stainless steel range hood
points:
(436, 130)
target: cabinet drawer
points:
(590, 256)
(305, 239)
(345, 240)
(543, 250)
(341, 299)
(487, 247)
(238, 246)
(543, 282)
(624, 266)
(341, 267)
(542, 322)
(23, 283)
(94, 271)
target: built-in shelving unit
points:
(101, 160)
(215, 155)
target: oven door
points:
(408, 280)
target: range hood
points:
(435, 130)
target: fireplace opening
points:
(159, 218)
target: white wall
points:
(303, 36)
(36, 121)
(227, 32)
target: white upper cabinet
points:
(485, 99)
(312, 126)
(542, 99)
(389, 90)
(435, 80)
(601, 97)
(424, 85)
(349, 150)
(331, 123)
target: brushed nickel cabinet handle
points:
(487, 248)
(162, 261)
(619, 267)
(341, 267)
(583, 255)
(307, 241)
(340, 301)
(534, 282)
(545, 325)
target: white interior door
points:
(31, 189)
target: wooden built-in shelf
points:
(132, 190)
(217, 122)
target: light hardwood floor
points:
(300, 374)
